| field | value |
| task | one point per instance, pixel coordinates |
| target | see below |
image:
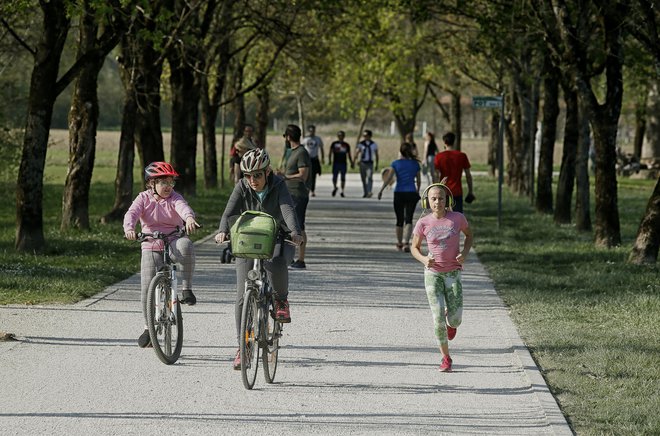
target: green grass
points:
(591, 320)
(77, 265)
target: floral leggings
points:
(445, 294)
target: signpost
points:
(495, 102)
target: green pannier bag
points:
(253, 235)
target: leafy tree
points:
(84, 113)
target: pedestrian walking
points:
(296, 166)
(406, 193)
(367, 153)
(242, 146)
(451, 164)
(443, 264)
(430, 150)
(340, 150)
(160, 209)
(314, 146)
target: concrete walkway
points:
(359, 358)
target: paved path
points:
(360, 356)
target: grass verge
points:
(590, 319)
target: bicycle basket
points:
(253, 235)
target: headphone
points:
(425, 195)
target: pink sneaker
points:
(445, 366)
(451, 332)
(282, 311)
(237, 360)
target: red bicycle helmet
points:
(159, 169)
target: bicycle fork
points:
(174, 300)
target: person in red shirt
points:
(450, 164)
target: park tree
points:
(46, 84)
(84, 112)
(644, 25)
(140, 67)
(592, 56)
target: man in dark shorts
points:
(296, 169)
(339, 151)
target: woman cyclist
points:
(160, 208)
(260, 189)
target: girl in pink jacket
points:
(160, 208)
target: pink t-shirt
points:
(157, 214)
(443, 238)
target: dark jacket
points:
(277, 203)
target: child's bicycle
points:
(260, 331)
(164, 319)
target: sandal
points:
(399, 246)
(406, 248)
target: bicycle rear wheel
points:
(165, 331)
(271, 350)
(249, 346)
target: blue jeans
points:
(367, 175)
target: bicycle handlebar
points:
(142, 236)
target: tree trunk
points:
(647, 242)
(261, 116)
(493, 143)
(582, 206)
(209, 115)
(456, 117)
(651, 146)
(239, 105)
(83, 121)
(148, 133)
(569, 155)
(29, 187)
(640, 126)
(185, 112)
(126, 155)
(517, 165)
(548, 138)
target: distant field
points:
(107, 148)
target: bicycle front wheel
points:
(165, 330)
(249, 346)
(271, 350)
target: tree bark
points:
(239, 104)
(566, 180)
(83, 121)
(647, 242)
(548, 138)
(493, 143)
(651, 146)
(209, 115)
(261, 116)
(43, 92)
(148, 133)
(582, 206)
(456, 118)
(185, 113)
(126, 156)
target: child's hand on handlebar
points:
(191, 225)
(130, 235)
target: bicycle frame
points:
(169, 267)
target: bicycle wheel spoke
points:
(249, 347)
(166, 335)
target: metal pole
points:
(500, 164)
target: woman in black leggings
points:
(406, 193)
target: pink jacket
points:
(157, 214)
